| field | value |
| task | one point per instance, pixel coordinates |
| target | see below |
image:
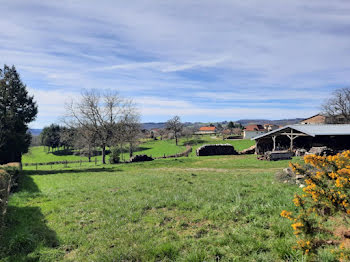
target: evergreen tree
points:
(51, 136)
(17, 110)
(230, 125)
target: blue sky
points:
(202, 60)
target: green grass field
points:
(154, 148)
(221, 208)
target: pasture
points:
(220, 208)
(154, 148)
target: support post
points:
(274, 143)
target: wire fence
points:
(95, 162)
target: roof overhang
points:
(282, 129)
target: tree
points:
(187, 132)
(338, 105)
(230, 125)
(17, 110)
(85, 141)
(174, 124)
(130, 129)
(67, 137)
(100, 115)
(162, 132)
(51, 136)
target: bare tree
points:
(187, 132)
(130, 128)
(338, 105)
(174, 124)
(162, 132)
(100, 115)
(236, 131)
(85, 141)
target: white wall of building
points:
(251, 134)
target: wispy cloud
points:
(186, 57)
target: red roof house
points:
(208, 128)
(254, 128)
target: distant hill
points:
(35, 132)
(244, 122)
(152, 125)
(281, 122)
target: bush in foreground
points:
(324, 203)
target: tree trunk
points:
(89, 153)
(176, 139)
(104, 155)
(130, 150)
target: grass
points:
(38, 154)
(154, 148)
(218, 208)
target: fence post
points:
(95, 161)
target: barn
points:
(336, 137)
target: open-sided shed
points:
(292, 137)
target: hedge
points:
(9, 175)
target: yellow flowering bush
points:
(325, 195)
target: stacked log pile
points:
(140, 158)
(218, 149)
(276, 155)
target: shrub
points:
(114, 157)
(8, 178)
(325, 199)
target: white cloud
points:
(217, 51)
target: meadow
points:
(150, 147)
(220, 208)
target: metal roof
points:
(315, 130)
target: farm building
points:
(335, 136)
(322, 119)
(206, 130)
(253, 131)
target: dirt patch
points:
(344, 234)
(181, 223)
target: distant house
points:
(270, 127)
(251, 131)
(321, 119)
(314, 120)
(206, 130)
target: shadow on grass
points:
(68, 152)
(142, 148)
(71, 171)
(25, 228)
(63, 152)
(193, 142)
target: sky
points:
(203, 60)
